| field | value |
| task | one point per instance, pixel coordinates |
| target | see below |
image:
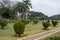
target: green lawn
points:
(8, 32)
(53, 35)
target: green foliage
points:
(8, 13)
(25, 21)
(5, 14)
(3, 23)
(46, 25)
(54, 38)
(48, 20)
(55, 17)
(35, 21)
(19, 28)
(6, 10)
(54, 23)
(28, 21)
(38, 15)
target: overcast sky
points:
(48, 7)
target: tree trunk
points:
(26, 16)
(0, 17)
(18, 16)
(23, 17)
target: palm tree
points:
(23, 7)
(27, 6)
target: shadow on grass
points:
(45, 29)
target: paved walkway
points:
(41, 35)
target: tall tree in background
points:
(5, 9)
(23, 7)
(3, 5)
(27, 6)
(19, 9)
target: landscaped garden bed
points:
(8, 32)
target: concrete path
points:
(41, 35)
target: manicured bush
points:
(28, 21)
(19, 28)
(25, 21)
(46, 25)
(54, 23)
(3, 23)
(35, 21)
(48, 20)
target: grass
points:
(8, 32)
(53, 35)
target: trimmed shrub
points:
(3, 23)
(54, 23)
(25, 21)
(48, 20)
(46, 25)
(28, 21)
(19, 28)
(35, 21)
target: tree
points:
(37, 15)
(23, 7)
(5, 10)
(27, 6)
(8, 13)
(46, 25)
(3, 5)
(19, 9)
(6, 3)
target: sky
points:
(48, 7)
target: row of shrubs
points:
(46, 24)
(19, 26)
(25, 21)
(3, 23)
